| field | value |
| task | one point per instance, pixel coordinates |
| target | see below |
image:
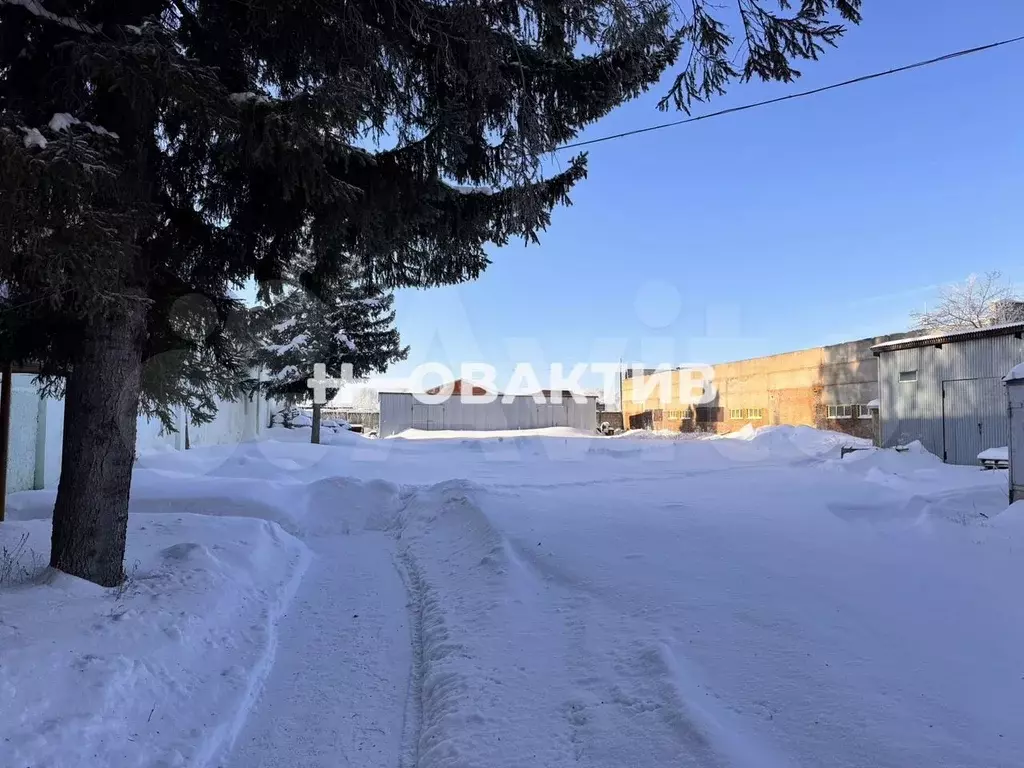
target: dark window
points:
(707, 415)
(908, 377)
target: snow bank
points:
(161, 672)
(658, 434)
(789, 439)
(1011, 522)
(468, 434)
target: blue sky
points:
(814, 221)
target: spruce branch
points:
(36, 8)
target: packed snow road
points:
(543, 601)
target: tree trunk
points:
(90, 517)
(316, 424)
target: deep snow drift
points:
(533, 601)
(159, 673)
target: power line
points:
(802, 94)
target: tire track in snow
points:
(412, 714)
(334, 697)
(621, 687)
(521, 664)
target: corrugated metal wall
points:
(973, 412)
(400, 411)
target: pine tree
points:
(155, 150)
(347, 325)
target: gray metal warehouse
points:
(400, 411)
(946, 390)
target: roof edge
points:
(948, 337)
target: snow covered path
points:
(337, 694)
(537, 603)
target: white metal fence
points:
(37, 432)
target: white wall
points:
(238, 421)
(48, 442)
(151, 433)
(37, 432)
(21, 462)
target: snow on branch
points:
(284, 325)
(35, 7)
(247, 96)
(100, 130)
(346, 340)
(61, 121)
(463, 189)
(288, 373)
(33, 138)
(295, 344)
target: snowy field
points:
(536, 601)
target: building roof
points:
(566, 394)
(462, 387)
(944, 337)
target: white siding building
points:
(400, 411)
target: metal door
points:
(427, 416)
(973, 418)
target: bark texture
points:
(90, 517)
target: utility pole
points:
(622, 396)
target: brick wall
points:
(794, 388)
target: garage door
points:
(973, 418)
(427, 416)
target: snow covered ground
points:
(512, 600)
(160, 673)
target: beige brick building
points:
(826, 387)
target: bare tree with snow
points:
(978, 302)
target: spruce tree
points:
(153, 150)
(346, 325)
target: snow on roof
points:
(939, 337)
(1016, 374)
(874, 404)
(461, 386)
(995, 454)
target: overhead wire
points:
(792, 96)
